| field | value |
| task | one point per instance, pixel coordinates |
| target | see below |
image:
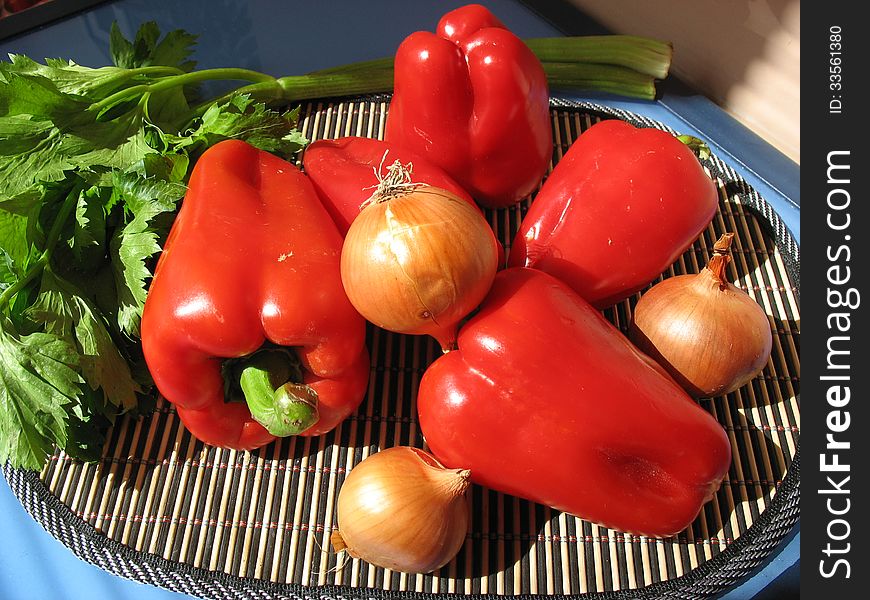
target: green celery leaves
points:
(94, 164)
(38, 380)
(147, 49)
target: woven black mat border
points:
(713, 577)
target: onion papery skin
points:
(401, 509)
(708, 334)
(419, 262)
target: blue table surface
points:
(282, 38)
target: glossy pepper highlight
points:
(600, 432)
(473, 99)
(247, 298)
(618, 209)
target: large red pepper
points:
(546, 400)
(247, 294)
(473, 99)
(345, 173)
(618, 209)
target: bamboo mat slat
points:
(268, 515)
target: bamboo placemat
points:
(163, 508)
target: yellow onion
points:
(401, 509)
(705, 332)
(418, 259)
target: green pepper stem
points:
(696, 145)
(282, 406)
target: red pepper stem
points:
(279, 404)
(696, 145)
(721, 257)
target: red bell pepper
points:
(247, 294)
(345, 173)
(618, 209)
(13, 6)
(602, 432)
(473, 99)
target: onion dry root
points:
(401, 509)
(709, 335)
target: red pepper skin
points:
(618, 209)
(600, 432)
(17, 5)
(343, 172)
(252, 256)
(473, 99)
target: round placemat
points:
(162, 508)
